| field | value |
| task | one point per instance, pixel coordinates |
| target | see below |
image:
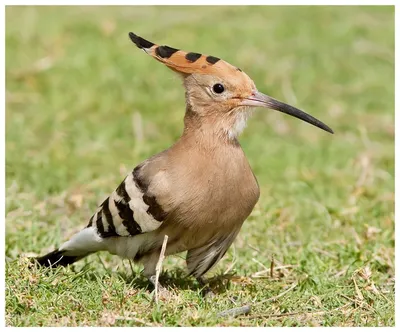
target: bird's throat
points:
(216, 126)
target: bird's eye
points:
(218, 88)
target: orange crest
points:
(185, 62)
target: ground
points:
(84, 106)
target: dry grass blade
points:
(159, 266)
(360, 303)
(272, 267)
(359, 294)
(267, 272)
(259, 263)
(274, 298)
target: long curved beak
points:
(259, 99)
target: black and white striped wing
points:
(129, 210)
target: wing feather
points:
(130, 209)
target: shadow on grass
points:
(178, 279)
(171, 279)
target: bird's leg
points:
(153, 280)
(207, 291)
(150, 263)
(162, 292)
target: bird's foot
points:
(162, 292)
(207, 292)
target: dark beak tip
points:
(329, 130)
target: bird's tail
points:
(83, 243)
(57, 258)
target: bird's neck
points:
(213, 128)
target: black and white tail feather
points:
(56, 258)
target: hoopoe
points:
(199, 191)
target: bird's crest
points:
(185, 62)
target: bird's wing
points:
(134, 207)
(200, 260)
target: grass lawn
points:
(84, 106)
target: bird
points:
(199, 191)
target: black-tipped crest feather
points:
(139, 41)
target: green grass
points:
(84, 106)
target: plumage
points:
(199, 191)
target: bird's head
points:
(216, 91)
